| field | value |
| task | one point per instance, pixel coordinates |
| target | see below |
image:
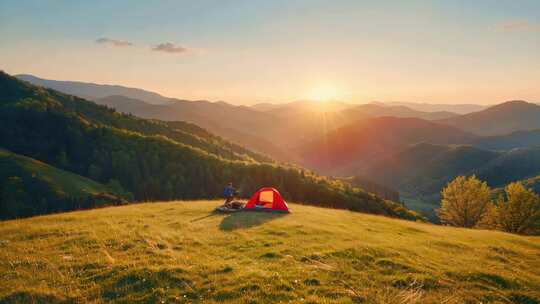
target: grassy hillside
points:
(29, 187)
(180, 252)
(61, 181)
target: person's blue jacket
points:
(228, 191)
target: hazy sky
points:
(255, 51)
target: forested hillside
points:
(518, 139)
(150, 159)
(424, 169)
(421, 171)
(30, 187)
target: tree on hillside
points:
(464, 201)
(519, 212)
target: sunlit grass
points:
(182, 252)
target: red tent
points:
(267, 199)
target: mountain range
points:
(412, 147)
(267, 128)
(146, 159)
(431, 107)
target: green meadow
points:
(182, 252)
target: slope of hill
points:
(346, 150)
(29, 187)
(94, 91)
(96, 142)
(180, 252)
(501, 119)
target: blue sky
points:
(278, 51)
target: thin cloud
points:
(518, 26)
(114, 42)
(171, 48)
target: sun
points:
(324, 93)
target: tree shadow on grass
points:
(247, 219)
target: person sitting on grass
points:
(229, 192)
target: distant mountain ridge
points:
(429, 107)
(94, 91)
(504, 118)
(378, 110)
